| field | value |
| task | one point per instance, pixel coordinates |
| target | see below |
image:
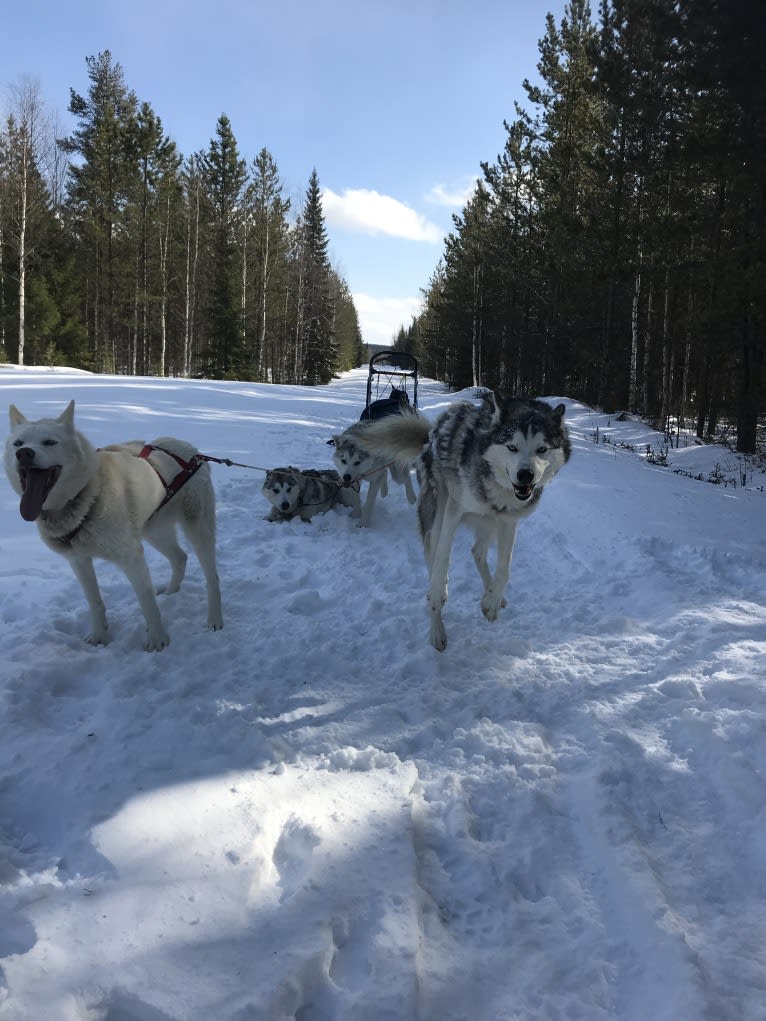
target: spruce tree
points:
(317, 349)
(225, 175)
(97, 192)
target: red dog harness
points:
(188, 468)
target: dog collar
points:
(67, 537)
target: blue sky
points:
(395, 104)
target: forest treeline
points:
(118, 254)
(615, 250)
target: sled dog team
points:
(480, 465)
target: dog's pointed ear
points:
(491, 403)
(67, 416)
(559, 411)
(15, 416)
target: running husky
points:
(356, 462)
(485, 466)
(295, 493)
(100, 503)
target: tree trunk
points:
(684, 396)
(23, 259)
(164, 242)
(667, 372)
(646, 395)
(190, 288)
(747, 404)
(634, 321)
(2, 292)
(476, 327)
(264, 282)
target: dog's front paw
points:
(491, 604)
(438, 636)
(98, 636)
(156, 641)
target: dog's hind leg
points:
(200, 531)
(439, 550)
(162, 535)
(403, 477)
(493, 600)
(408, 487)
(86, 575)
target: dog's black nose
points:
(525, 476)
(346, 478)
(285, 505)
(25, 456)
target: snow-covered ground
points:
(312, 815)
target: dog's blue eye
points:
(542, 450)
(513, 448)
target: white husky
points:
(100, 503)
(485, 466)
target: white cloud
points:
(360, 209)
(454, 196)
(381, 318)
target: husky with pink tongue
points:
(90, 503)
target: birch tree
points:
(26, 147)
(270, 240)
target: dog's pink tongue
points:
(33, 497)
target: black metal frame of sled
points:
(398, 364)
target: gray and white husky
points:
(101, 503)
(357, 463)
(483, 465)
(293, 492)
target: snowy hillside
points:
(313, 816)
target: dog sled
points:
(392, 385)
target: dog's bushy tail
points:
(398, 438)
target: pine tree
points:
(348, 335)
(97, 192)
(317, 352)
(153, 168)
(569, 133)
(723, 65)
(225, 175)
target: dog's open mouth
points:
(36, 483)
(523, 492)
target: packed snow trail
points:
(313, 816)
